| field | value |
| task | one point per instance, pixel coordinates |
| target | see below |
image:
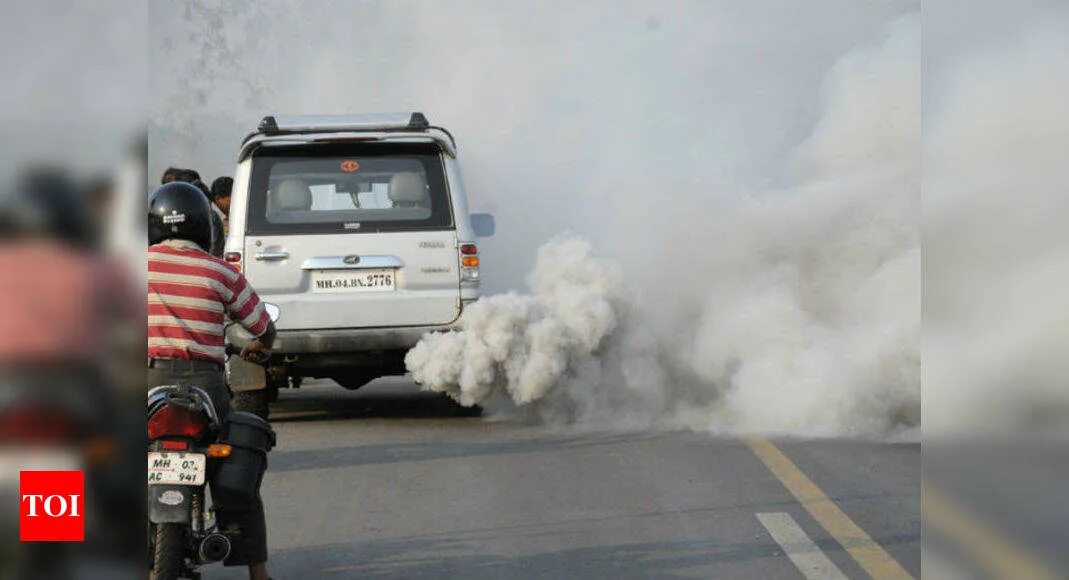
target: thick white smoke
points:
(812, 319)
(564, 351)
(525, 344)
(997, 246)
(808, 317)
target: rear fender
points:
(170, 504)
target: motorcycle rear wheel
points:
(169, 551)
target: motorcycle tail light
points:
(36, 425)
(177, 422)
(175, 445)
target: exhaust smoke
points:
(803, 316)
(550, 350)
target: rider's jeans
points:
(250, 546)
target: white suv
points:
(357, 228)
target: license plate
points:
(175, 468)
(376, 280)
(12, 461)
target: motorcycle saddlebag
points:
(236, 479)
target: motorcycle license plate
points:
(12, 461)
(170, 468)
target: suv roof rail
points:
(273, 124)
(383, 122)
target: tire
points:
(39, 560)
(257, 402)
(169, 551)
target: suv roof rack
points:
(380, 123)
(273, 125)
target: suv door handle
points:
(271, 256)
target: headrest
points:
(408, 188)
(291, 195)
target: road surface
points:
(391, 482)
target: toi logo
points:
(51, 506)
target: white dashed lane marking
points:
(811, 562)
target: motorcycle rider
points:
(190, 296)
(50, 316)
(64, 312)
(218, 218)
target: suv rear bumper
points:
(351, 339)
(343, 340)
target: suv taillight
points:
(469, 263)
(176, 422)
(234, 259)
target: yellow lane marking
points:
(992, 552)
(866, 552)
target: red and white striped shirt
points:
(191, 294)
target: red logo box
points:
(51, 506)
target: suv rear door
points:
(353, 236)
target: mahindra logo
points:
(51, 506)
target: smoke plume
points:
(996, 246)
(808, 319)
(564, 350)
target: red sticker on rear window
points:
(349, 166)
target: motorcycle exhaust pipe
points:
(214, 547)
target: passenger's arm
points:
(268, 337)
(245, 307)
(261, 344)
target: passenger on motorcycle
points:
(191, 295)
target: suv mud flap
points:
(170, 504)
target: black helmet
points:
(45, 203)
(179, 210)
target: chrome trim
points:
(271, 256)
(338, 263)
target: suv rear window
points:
(354, 188)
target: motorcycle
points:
(191, 451)
(59, 421)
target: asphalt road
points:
(390, 482)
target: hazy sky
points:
(562, 110)
(75, 83)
